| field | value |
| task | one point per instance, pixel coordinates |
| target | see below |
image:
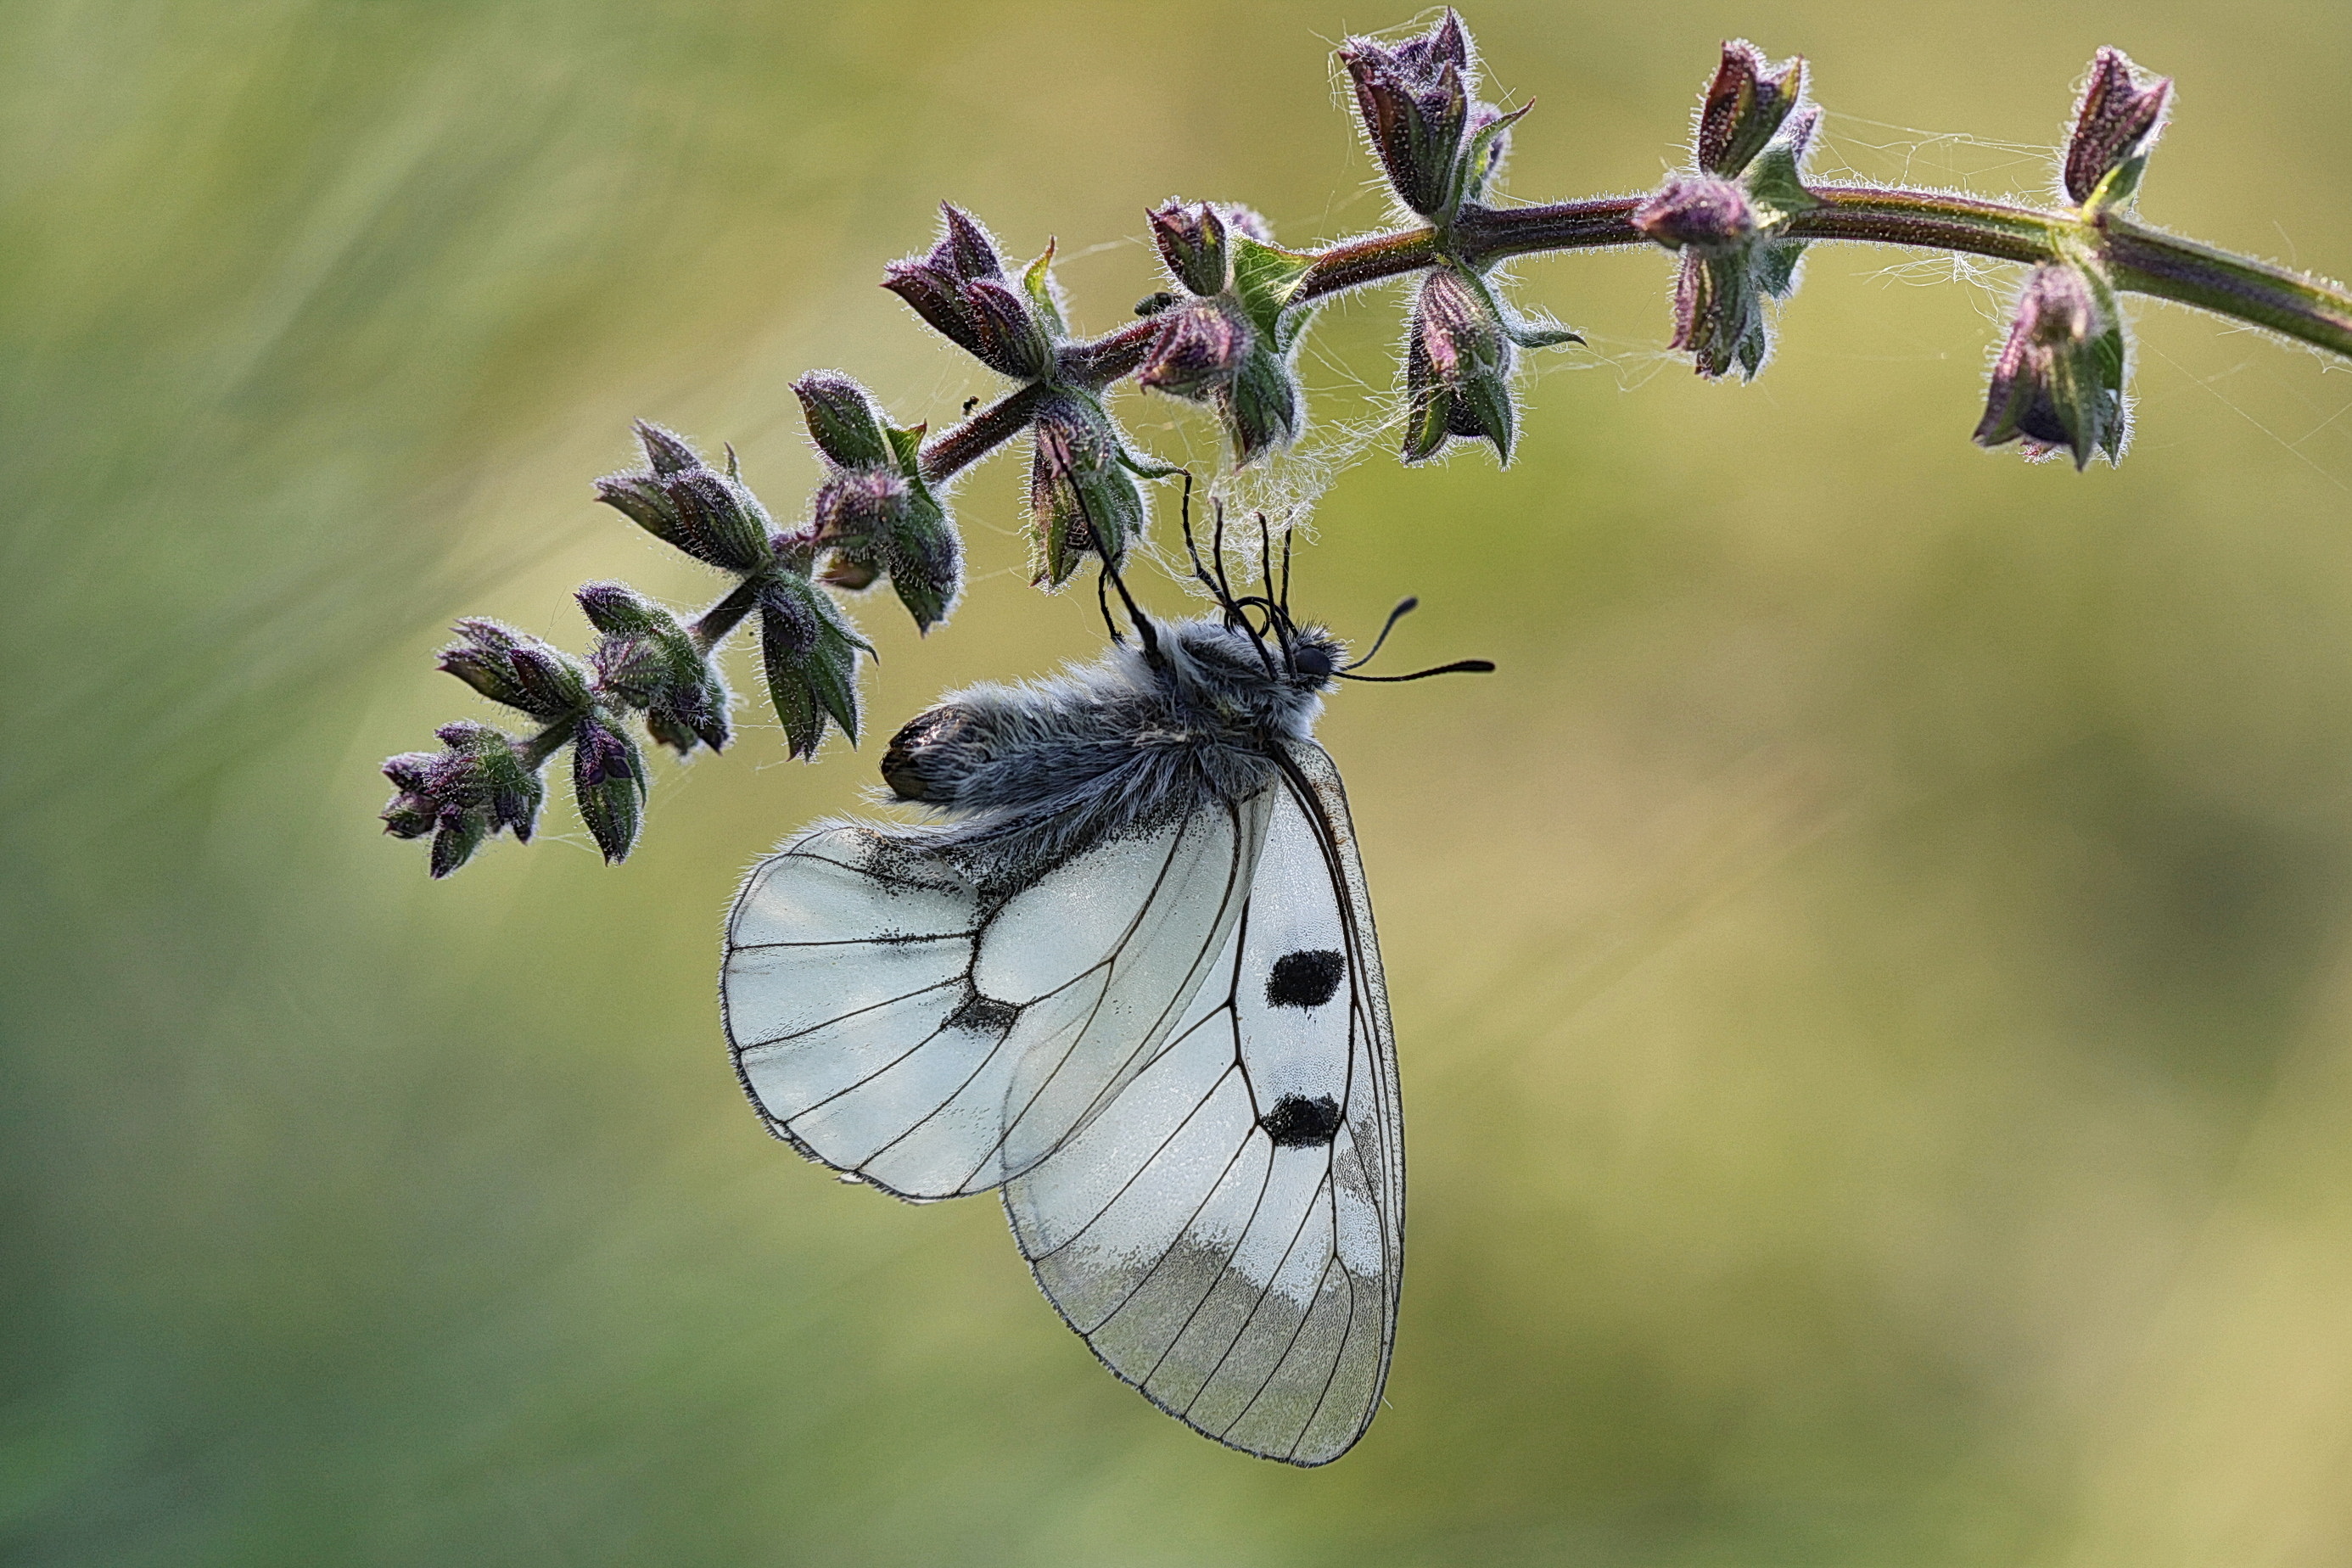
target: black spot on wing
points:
(1304, 979)
(1297, 1122)
(983, 1016)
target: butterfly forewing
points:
(1228, 1233)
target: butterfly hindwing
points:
(897, 1016)
(1228, 1234)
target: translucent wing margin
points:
(934, 1024)
(1228, 1235)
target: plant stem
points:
(725, 616)
(547, 742)
(2306, 309)
(960, 447)
(2138, 259)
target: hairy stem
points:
(2308, 310)
(725, 616)
(2139, 259)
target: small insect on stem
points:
(969, 405)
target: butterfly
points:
(1127, 979)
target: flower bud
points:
(1744, 106)
(618, 610)
(1080, 491)
(842, 420)
(1459, 364)
(1719, 314)
(1754, 131)
(648, 660)
(608, 780)
(1199, 345)
(1192, 241)
(1702, 211)
(1414, 97)
(874, 514)
(520, 672)
(809, 653)
(2057, 384)
(2118, 121)
(959, 288)
(873, 523)
(462, 794)
(684, 502)
(1260, 407)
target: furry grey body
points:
(1026, 776)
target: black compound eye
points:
(1312, 660)
(1307, 978)
(1296, 1121)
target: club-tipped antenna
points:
(1459, 667)
(1405, 606)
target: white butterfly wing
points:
(893, 1019)
(1228, 1234)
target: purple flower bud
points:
(881, 520)
(718, 520)
(1696, 210)
(1719, 314)
(474, 787)
(810, 655)
(1245, 221)
(648, 660)
(959, 288)
(619, 610)
(1458, 362)
(1744, 106)
(790, 623)
(2120, 116)
(1080, 492)
(1414, 97)
(2057, 384)
(1008, 335)
(685, 502)
(1199, 344)
(520, 672)
(666, 450)
(608, 780)
(966, 246)
(843, 419)
(858, 504)
(1192, 241)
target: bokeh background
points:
(1874, 972)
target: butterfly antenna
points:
(1277, 624)
(1217, 553)
(1102, 603)
(1289, 528)
(1193, 545)
(1405, 606)
(1459, 667)
(1144, 631)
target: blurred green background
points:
(1874, 972)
